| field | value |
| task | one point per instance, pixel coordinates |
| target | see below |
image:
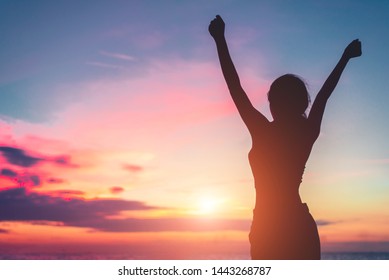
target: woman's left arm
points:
(316, 114)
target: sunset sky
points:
(117, 129)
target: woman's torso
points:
(277, 159)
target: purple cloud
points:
(18, 157)
(19, 205)
(36, 181)
(8, 173)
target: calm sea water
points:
(94, 256)
(356, 256)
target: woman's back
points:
(282, 227)
(277, 159)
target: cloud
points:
(55, 180)
(118, 56)
(8, 173)
(18, 157)
(133, 168)
(324, 222)
(170, 224)
(23, 179)
(3, 231)
(19, 205)
(67, 194)
(36, 181)
(116, 190)
(106, 65)
(65, 161)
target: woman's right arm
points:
(251, 117)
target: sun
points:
(207, 205)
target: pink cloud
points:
(133, 167)
(116, 190)
(6, 133)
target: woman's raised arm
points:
(316, 114)
(251, 117)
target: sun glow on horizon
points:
(208, 205)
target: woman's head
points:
(288, 97)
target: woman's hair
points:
(288, 97)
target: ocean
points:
(356, 256)
(94, 256)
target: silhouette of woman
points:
(282, 226)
